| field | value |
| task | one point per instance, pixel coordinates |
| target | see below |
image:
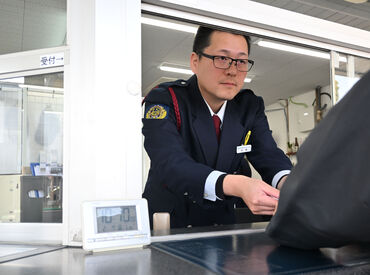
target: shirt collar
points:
(220, 113)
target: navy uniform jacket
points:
(181, 160)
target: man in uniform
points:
(198, 132)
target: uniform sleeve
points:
(171, 164)
(210, 185)
(265, 156)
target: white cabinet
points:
(9, 198)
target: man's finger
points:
(265, 212)
(267, 201)
(271, 191)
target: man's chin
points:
(229, 95)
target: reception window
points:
(31, 142)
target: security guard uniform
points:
(181, 142)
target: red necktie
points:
(217, 123)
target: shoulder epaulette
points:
(173, 98)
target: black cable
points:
(329, 95)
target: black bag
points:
(325, 201)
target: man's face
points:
(217, 85)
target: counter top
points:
(239, 249)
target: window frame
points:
(27, 64)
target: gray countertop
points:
(239, 249)
(70, 261)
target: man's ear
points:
(194, 62)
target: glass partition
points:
(31, 142)
(10, 128)
(347, 70)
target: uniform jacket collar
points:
(219, 156)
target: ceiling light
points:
(292, 49)
(42, 88)
(168, 25)
(356, 1)
(53, 112)
(175, 70)
(19, 80)
(247, 80)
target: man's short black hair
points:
(203, 38)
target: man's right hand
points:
(260, 197)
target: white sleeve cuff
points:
(210, 186)
(278, 176)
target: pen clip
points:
(247, 137)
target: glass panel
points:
(32, 137)
(43, 137)
(348, 70)
(32, 24)
(10, 128)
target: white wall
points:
(102, 133)
(300, 125)
(277, 120)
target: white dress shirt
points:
(210, 185)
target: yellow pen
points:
(247, 137)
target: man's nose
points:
(232, 68)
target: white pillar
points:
(102, 129)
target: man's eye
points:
(242, 61)
(223, 58)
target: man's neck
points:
(220, 112)
(215, 105)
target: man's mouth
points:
(228, 83)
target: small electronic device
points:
(117, 224)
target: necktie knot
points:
(217, 123)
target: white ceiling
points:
(339, 11)
(33, 24)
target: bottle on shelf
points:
(296, 145)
